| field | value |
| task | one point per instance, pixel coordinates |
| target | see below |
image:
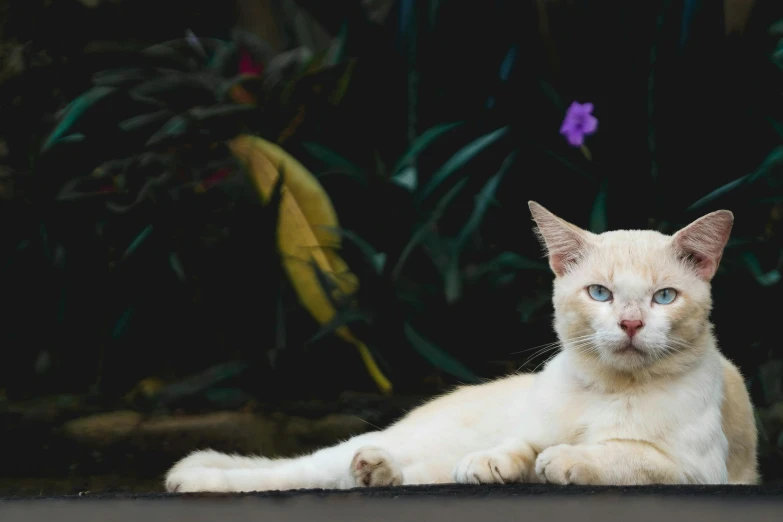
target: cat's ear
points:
(565, 243)
(702, 242)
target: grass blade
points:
(458, 160)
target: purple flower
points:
(578, 123)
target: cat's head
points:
(632, 300)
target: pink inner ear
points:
(558, 263)
(705, 266)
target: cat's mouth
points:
(629, 349)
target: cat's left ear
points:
(703, 241)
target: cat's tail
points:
(328, 468)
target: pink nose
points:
(631, 327)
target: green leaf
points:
(121, 326)
(138, 241)
(458, 160)
(119, 77)
(772, 162)
(510, 260)
(76, 110)
(201, 382)
(175, 127)
(370, 254)
(330, 157)
(76, 137)
(720, 191)
(439, 358)
(144, 120)
(221, 57)
(425, 227)
(764, 278)
(421, 143)
(176, 265)
(407, 178)
(483, 200)
(598, 221)
(226, 110)
(341, 318)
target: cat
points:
(637, 393)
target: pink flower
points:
(247, 65)
(578, 123)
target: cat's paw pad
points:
(191, 480)
(373, 466)
(566, 464)
(489, 467)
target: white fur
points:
(593, 415)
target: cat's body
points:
(638, 394)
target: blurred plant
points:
(168, 113)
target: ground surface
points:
(453, 503)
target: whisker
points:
(553, 343)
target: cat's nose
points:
(631, 327)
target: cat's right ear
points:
(565, 243)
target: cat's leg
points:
(511, 461)
(619, 462)
(327, 468)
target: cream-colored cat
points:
(638, 394)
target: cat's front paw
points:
(373, 466)
(489, 467)
(566, 464)
(191, 480)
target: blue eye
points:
(665, 296)
(599, 293)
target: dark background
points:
(145, 309)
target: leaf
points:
(598, 221)
(407, 179)
(764, 278)
(508, 63)
(774, 160)
(76, 137)
(458, 160)
(510, 260)
(305, 235)
(175, 128)
(422, 142)
(138, 241)
(201, 382)
(483, 200)
(369, 252)
(341, 318)
(438, 357)
(425, 227)
(121, 326)
(74, 111)
(717, 193)
(330, 157)
(221, 111)
(120, 77)
(179, 92)
(176, 266)
(768, 167)
(145, 120)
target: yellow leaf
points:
(306, 234)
